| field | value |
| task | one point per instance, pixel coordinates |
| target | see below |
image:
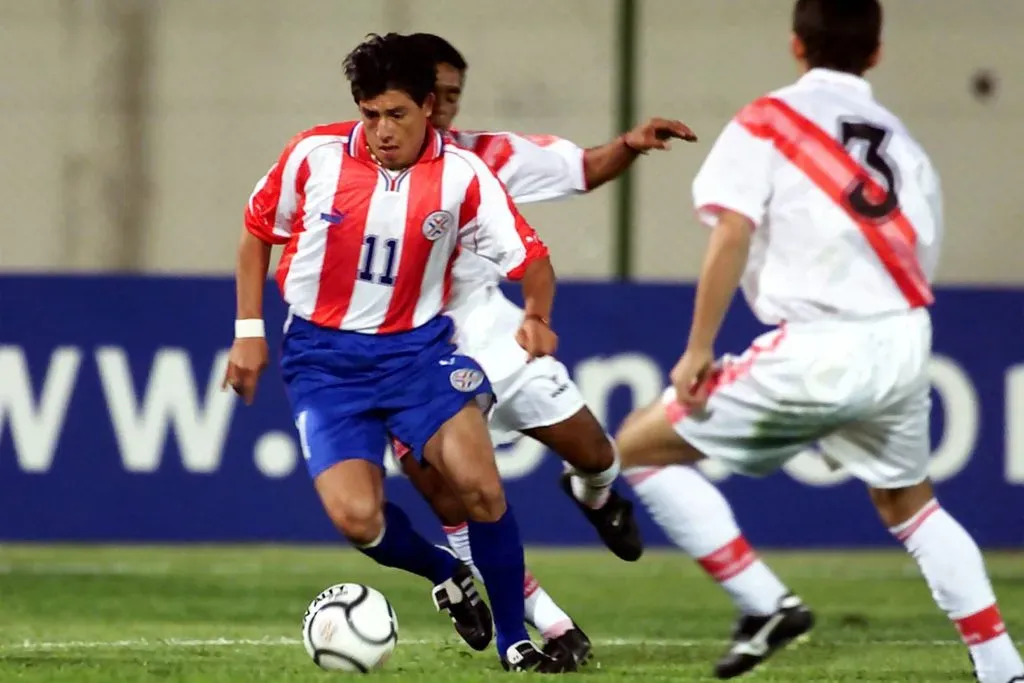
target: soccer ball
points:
(350, 627)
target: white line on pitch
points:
(142, 643)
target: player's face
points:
(448, 91)
(395, 127)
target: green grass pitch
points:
(232, 614)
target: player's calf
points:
(560, 632)
(952, 565)
(562, 637)
(697, 518)
(583, 444)
(352, 495)
(462, 450)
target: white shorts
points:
(540, 394)
(857, 388)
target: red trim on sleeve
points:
(261, 210)
(260, 215)
(535, 248)
(494, 150)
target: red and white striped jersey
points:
(533, 168)
(370, 250)
(847, 205)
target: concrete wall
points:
(132, 130)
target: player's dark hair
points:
(442, 51)
(390, 62)
(839, 34)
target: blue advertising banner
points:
(113, 426)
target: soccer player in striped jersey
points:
(371, 214)
(537, 398)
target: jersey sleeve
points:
(270, 213)
(492, 227)
(735, 176)
(533, 168)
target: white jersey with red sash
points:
(846, 210)
(846, 205)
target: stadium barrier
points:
(113, 426)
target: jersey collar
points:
(357, 147)
(840, 78)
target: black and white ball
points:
(350, 627)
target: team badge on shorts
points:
(437, 224)
(466, 379)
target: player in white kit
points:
(828, 215)
(536, 398)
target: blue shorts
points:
(348, 390)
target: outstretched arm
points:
(610, 160)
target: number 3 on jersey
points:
(372, 271)
(874, 158)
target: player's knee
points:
(484, 500)
(360, 520)
(448, 507)
(637, 435)
(594, 451)
(445, 503)
(898, 506)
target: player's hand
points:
(247, 360)
(656, 133)
(691, 376)
(536, 337)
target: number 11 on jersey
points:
(370, 270)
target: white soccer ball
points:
(350, 627)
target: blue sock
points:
(498, 554)
(402, 548)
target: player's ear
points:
(798, 50)
(875, 57)
(428, 105)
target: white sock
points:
(955, 571)
(458, 539)
(541, 610)
(697, 518)
(593, 488)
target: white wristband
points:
(249, 329)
